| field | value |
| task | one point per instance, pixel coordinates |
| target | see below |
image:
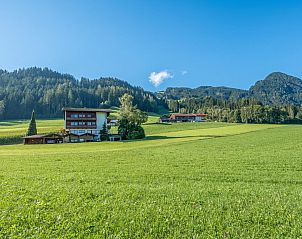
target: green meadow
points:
(185, 180)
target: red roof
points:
(188, 115)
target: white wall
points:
(101, 117)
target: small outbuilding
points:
(75, 138)
(87, 137)
(43, 139)
(177, 117)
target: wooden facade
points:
(85, 123)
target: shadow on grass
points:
(150, 138)
(11, 123)
(201, 137)
(157, 123)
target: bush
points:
(130, 131)
(137, 133)
(11, 140)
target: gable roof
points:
(40, 136)
(188, 115)
(78, 135)
(87, 134)
(86, 109)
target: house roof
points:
(188, 115)
(78, 135)
(87, 134)
(86, 109)
(40, 136)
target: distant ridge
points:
(222, 92)
(48, 91)
(276, 89)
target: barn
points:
(43, 139)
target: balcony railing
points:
(77, 119)
(81, 127)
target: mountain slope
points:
(48, 91)
(278, 89)
(225, 93)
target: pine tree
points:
(32, 128)
(104, 132)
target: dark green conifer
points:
(104, 132)
(32, 127)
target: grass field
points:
(190, 180)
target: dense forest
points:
(223, 93)
(276, 99)
(48, 91)
(246, 110)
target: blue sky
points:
(175, 43)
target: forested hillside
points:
(48, 91)
(276, 99)
(278, 89)
(223, 93)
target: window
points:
(81, 131)
(89, 123)
(74, 116)
(81, 123)
(89, 116)
(74, 123)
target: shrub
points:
(137, 132)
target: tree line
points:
(47, 92)
(247, 110)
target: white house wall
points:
(100, 119)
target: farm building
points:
(43, 139)
(177, 117)
(84, 124)
(73, 138)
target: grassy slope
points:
(219, 181)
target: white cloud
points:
(156, 78)
(184, 72)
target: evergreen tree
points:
(32, 128)
(104, 132)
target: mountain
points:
(278, 89)
(224, 93)
(48, 91)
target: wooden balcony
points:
(81, 127)
(80, 119)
